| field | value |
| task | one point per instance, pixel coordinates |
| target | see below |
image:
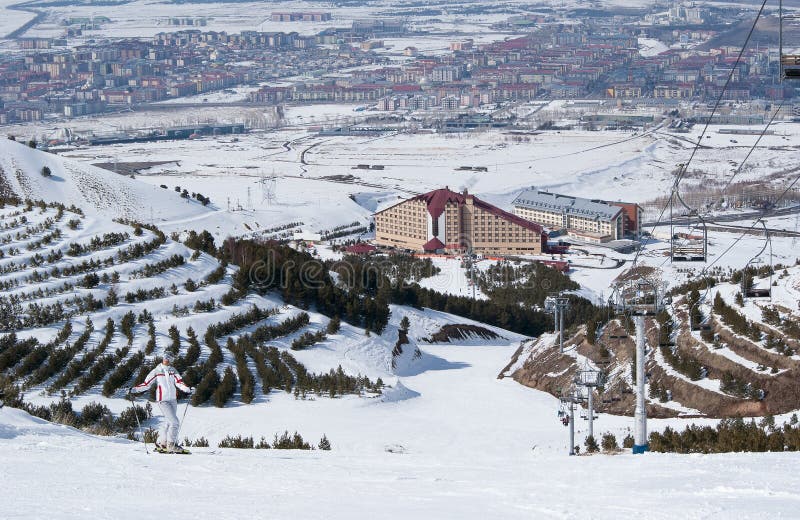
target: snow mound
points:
(399, 392)
(92, 189)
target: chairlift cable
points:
(752, 148)
(735, 173)
(744, 233)
(685, 167)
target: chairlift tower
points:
(590, 379)
(566, 412)
(557, 304)
(639, 293)
(471, 257)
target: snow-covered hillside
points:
(89, 304)
(92, 189)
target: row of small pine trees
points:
(284, 442)
(608, 443)
(729, 435)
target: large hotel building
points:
(444, 220)
(588, 220)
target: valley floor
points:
(468, 446)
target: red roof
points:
(494, 210)
(438, 199)
(360, 249)
(406, 88)
(433, 245)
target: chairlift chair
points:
(748, 290)
(690, 249)
(590, 378)
(789, 59)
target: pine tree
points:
(190, 285)
(151, 342)
(324, 443)
(175, 346)
(405, 324)
(627, 442)
(111, 298)
(591, 444)
(591, 331)
(609, 443)
(334, 325)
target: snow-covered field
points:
(143, 18)
(468, 446)
(11, 19)
(607, 164)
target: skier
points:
(167, 380)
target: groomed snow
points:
(468, 446)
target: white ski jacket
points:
(167, 379)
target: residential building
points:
(446, 221)
(673, 91)
(593, 221)
(301, 16)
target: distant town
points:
(597, 55)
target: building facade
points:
(446, 221)
(593, 221)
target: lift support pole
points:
(640, 415)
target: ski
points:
(176, 451)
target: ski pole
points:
(141, 432)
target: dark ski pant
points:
(169, 426)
